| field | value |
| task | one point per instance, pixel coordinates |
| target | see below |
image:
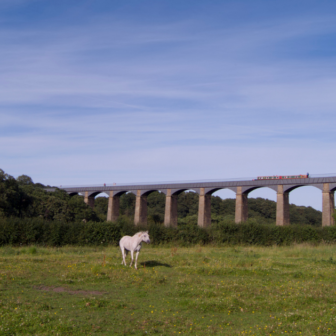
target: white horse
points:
(128, 243)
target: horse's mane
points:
(140, 233)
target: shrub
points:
(36, 231)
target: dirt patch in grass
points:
(65, 290)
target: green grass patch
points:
(178, 290)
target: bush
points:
(36, 231)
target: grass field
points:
(196, 291)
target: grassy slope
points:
(198, 291)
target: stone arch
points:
(210, 191)
(266, 195)
(326, 198)
(218, 195)
(241, 214)
(141, 207)
(247, 190)
(241, 208)
(89, 197)
(291, 187)
(148, 192)
(95, 193)
(180, 191)
(170, 218)
(113, 208)
(122, 192)
(204, 207)
(283, 217)
(244, 190)
(154, 199)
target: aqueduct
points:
(205, 189)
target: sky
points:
(104, 91)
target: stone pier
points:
(170, 218)
(241, 206)
(140, 216)
(282, 207)
(89, 200)
(113, 207)
(204, 209)
(328, 206)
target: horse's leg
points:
(123, 256)
(136, 260)
(132, 258)
(126, 253)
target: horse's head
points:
(145, 237)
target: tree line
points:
(22, 198)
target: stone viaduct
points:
(205, 189)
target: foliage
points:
(17, 231)
(13, 200)
(127, 204)
(101, 204)
(23, 198)
(24, 180)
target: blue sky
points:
(130, 91)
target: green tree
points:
(101, 204)
(13, 200)
(127, 204)
(24, 180)
(156, 206)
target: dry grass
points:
(196, 291)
